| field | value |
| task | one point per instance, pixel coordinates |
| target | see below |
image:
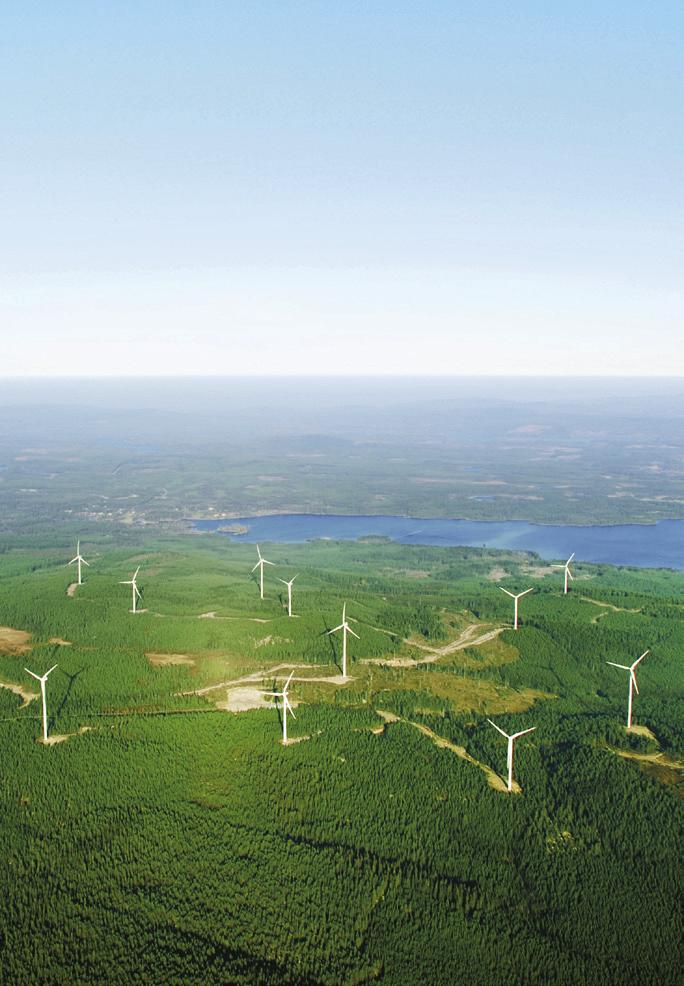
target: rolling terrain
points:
(168, 836)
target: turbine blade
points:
(267, 562)
(349, 630)
(507, 592)
(570, 558)
(73, 560)
(639, 659)
(136, 572)
(294, 577)
(85, 562)
(287, 683)
(525, 592)
(523, 732)
(498, 728)
(36, 676)
(571, 576)
(256, 566)
(335, 629)
(258, 552)
(622, 666)
(634, 681)
(50, 671)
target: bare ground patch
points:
(60, 641)
(657, 765)
(14, 641)
(71, 590)
(22, 692)
(61, 737)
(496, 574)
(472, 636)
(211, 615)
(159, 660)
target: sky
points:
(285, 187)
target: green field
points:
(174, 841)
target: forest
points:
(166, 834)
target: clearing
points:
(159, 660)
(23, 693)
(14, 641)
(472, 636)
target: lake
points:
(658, 545)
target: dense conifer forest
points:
(167, 835)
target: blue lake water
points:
(658, 545)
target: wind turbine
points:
(568, 573)
(511, 741)
(42, 679)
(632, 683)
(134, 588)
(345, 628)
(289, 592)
(260, 565)
(79, 558)
(515, 604)
(286, 705)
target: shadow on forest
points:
(65, 697)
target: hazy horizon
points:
(378, 189)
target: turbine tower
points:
(79, 559)
(511, 741)
(286, 707)
(345, 628)
(134, 588)
(632, 683)
(515, 602)
(568, 573)
(289, 592)
(260, 565)
(42, 679)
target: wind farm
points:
(341, 495)
(174, 713)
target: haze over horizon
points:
(302, 190)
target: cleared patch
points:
(61, 737)
(14, 641)
(159, 660)
(60, 641)
(71, 590)
(243, 699)
(22, 692)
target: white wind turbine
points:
(515, 602)
(42, 679)
(134, 588)
(345, 628)
(79, 559)
(286, 707)
(260, 565)
(511, 741)
(568, 573)
(289, 592)
(632, 683)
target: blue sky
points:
(372, 188)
